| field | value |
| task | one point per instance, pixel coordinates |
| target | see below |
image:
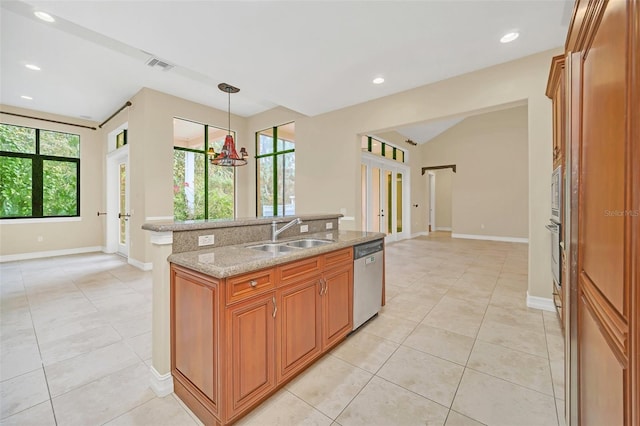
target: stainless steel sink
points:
(273, 248)
(308, 243)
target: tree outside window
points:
(200, 190)
(275, 171)
(39, 173)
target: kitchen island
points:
(248, 314)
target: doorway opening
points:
(118, 205)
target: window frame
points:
(275, 153)
(207, 165)
(37, 175)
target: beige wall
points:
(489, 191)
(84, 234)
(328, 150)
(444, 189)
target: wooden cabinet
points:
(603, 149)
(556, 90)
(337, 304)
(251, 351)
(235, 341)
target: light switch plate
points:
(206, 240)
(304, 228)
(329, 225)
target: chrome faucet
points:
(275, 231)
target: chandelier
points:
(228, 156)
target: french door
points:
(385, 198)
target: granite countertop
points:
(227, 261)
(213, 224)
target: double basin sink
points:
(289, 246)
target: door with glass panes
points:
(384, 198)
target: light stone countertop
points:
(227, 261)
(192, 225)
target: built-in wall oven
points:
(554, 225)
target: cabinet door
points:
(250, 351)
(193, 336)
(337, 304)
(299, 326)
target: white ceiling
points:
(308, 56)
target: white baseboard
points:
(161, 384)
(140, 265)
(491, 238)
(443, 228)
(51, 253)
(542, 303)
(420, 234)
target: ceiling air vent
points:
(159, 63)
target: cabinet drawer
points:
(244, 286)
(294, 270)
(337, 257)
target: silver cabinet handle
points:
(275, 307)
(321, 286)
(253, 283)
(324, 286)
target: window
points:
(275, 171)
(39, 173)
(200, 190)
(382, 149)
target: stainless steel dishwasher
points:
(367, 281)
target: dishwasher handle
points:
(366, 249)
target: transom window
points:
(382, 149)
(39, 173)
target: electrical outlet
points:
(329, 225)
(40, 238)
(482, 226)
(206, 240)
(304, 228)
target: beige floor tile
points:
(131, 322)
(105, 399)
(518, 338)
(557, 376)
(22, 392)
(19, 354)
(531, 319)
(157, 412)
(497, 402)
(470, 293)
(329, 385)
(285, 409)
(39, 415)
(383, 403)
(141, 345)
(365, 351)
(77, 344)
(560, 410)
(60, 328)
(555, 345)
(457, 419)
(411, 309)
(424, 374)
(389, 327)
(441, 343)
(514, 366)
(75, 372)
(552, 324)
(456, 315)
(508, 301)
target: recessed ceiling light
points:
(378, 80)
(29, 98)
(33, 67)
(509, 37)
(44, 16)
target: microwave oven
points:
(556, 194)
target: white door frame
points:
(394, 167)
(432, 201)
(112, 229)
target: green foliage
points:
(17, 173)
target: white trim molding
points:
(40, 220)
(491, 238)
(420, 234)
(542, 303)
(158, 218)
(51, 253)
(161, 238)
(161, 384)
(140, 265)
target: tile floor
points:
(455, 345)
